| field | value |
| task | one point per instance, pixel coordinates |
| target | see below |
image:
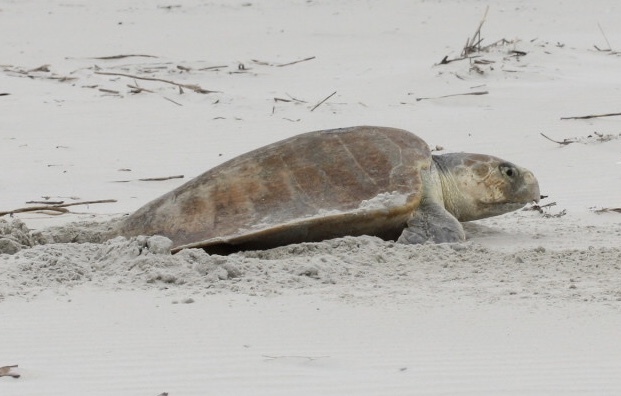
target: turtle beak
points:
(529, 191)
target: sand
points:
(103, 94)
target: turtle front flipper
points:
(432, 223)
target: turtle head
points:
(475, 186)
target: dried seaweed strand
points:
(586, 117)
(54, 207)
(193, 87)
(323, 101)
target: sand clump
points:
(341, 268)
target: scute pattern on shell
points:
(279, 194)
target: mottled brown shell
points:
(310, 187)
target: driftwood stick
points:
(323, 101)
(586, 117)
(605, 210)
(152, 179)
(54, 211)
(474, 44)
(172, 101)
(212, 68)
(297, 61)
(56, 208)
(564, 142)
(136, 89)
(294, 99)
(446, 60)
(161, 178)
(109, 91)
(112, 57)
(605, 38)
(448, 96)
(193, 87)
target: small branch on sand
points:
(290, 100)
(42, 72)
(172, 101)
(556, 215)
(446, 60)
(212, 68)
(605, 38)
(5, 371)
(264, 63)
(607, 210)
(42, 69)
(448, 96)
(162, 178)
(56, 208)
(295, 62)
(123, 56)
(473, 44)
(109, 91)
(152, 178)
(323, 101)
(295, 99)
(193, 87)
(135, 89)
(586, 117)
(564, 142)
(540, 208)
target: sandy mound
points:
(362, 267)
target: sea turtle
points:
(325, 184)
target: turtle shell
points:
(315, 186)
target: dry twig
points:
(540, 208)
(607, 210)
(448, 96)
(295, 62)
(212, 68)
(564, 142)
(473, 44)
(194, 87)
(323, 101)
(152, 179)
(56, 208)
(586, 117)
(605, 38)
(446, 60)
(172, 101)
(45, 202)
(136, 89)
(42, 68)
(162, 178)
(112, 57)
(109, 91)
(264, 63)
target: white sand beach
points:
(96, 97)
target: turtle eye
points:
(509, 170)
